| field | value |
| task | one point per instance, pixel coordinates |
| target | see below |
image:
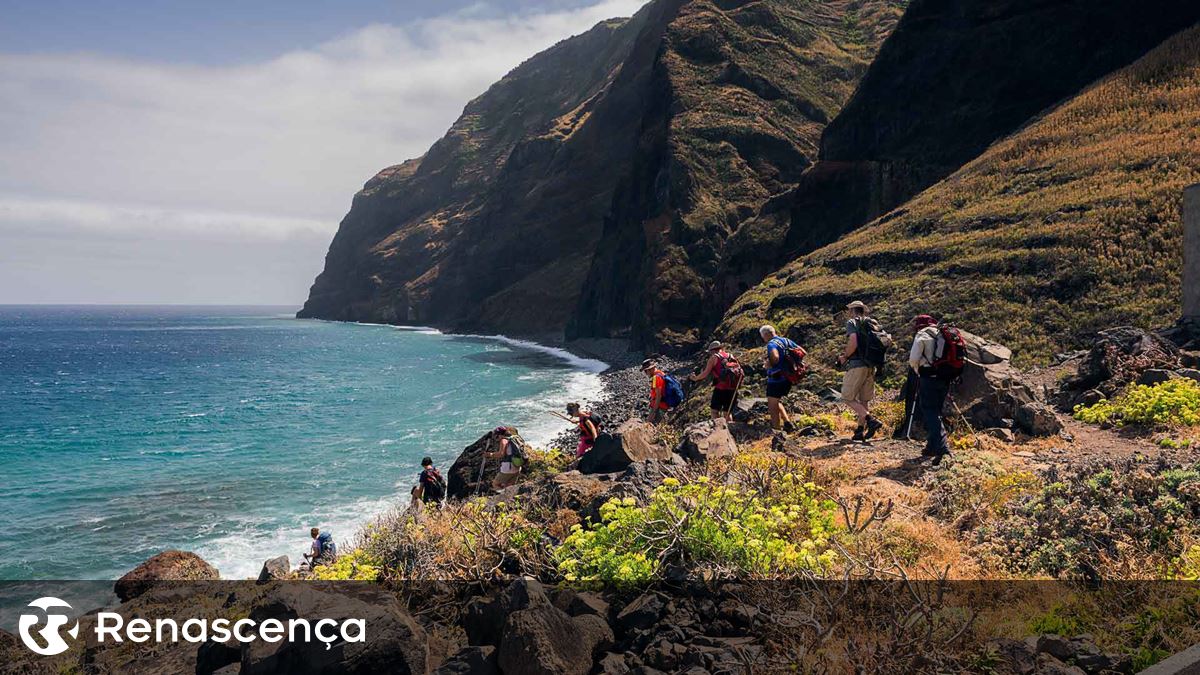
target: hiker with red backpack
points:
(938, 356)
(866, 348)
(726, 374)
(785, 368)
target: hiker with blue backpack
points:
(865, 353)
(726, 374)
(665, 391)
(785, 368)
(324, 550)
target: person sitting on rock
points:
(324, 550)
(510, 450)
(431, 487)
(726, 374)
(588, 428)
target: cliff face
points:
(741, 93)
(1067, 226)
(689, 115)
(494, 226)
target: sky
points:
(182, 152)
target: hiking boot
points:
(789, 426)
(873, 427)
(858, 435)
(937, 458)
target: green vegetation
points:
(724, 529)
(1172, 403)
(1069, 226)
(357, 565)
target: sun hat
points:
(714, 345)
(857, 304)
(648, 364)
(923, 321)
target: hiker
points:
(726, 374)
(431, 487)
(665, 391)
(510, 450)
(589, 428)
(908, 392)
(938, 357)
(866, 347)
(324, 550)
(785, 368)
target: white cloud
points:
(99, 146)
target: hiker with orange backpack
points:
(938, 356)
(726, 374)
(785, 368)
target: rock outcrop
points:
(464, 478)
(994, 394)
(169, 565)
(707, 440)
(632, 442)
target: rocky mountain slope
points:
(702, 108)
(1068, 225)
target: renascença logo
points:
(50, 633)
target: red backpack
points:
(727, 374)
(950, 354)
(791, 361)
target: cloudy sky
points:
(203, 152)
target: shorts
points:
(778, 389)
(585, 444)
(859, 385)
(722, 399)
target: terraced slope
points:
(1069, 225)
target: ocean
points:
(229, 431)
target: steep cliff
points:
(494, 226)
(742, 91)
(495, 229)
(1070, 225)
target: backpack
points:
(728, 373)
(949, 356)
(596, 420)
(325, 545)
(433, 485)
(874, 342)
(673, 393)
(791, 360)
(517, 453)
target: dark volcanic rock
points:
(470, 661)
(634, 441)
(465, 478)
(166, 566)
(275, 568)
(707, 440)
(539, 638)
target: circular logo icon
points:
(52, 641)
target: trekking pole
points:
(562, 416)
(733, 400)
(482, 466)
(965, 421)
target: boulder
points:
(984, 351)
(275, 568)
(572, 490)
(1117, 357)
(1154, 376)
(166, 566)
(633, 441)
(707, 440)
(463, 479)
(578, 603)
(642, 613)
(395, 642)
(1037, 419)
(539, 638)
(470, 661)
(482, 620)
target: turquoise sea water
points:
(230, 431)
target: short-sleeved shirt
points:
(659, 386)
(777, 346)
(854, 361)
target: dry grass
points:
(1069, 226)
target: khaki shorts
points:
(859, 385)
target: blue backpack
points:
(325, 542)
(673, 394)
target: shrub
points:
(1175, 402)
(979, 483)
(707, 527)
(357, 565)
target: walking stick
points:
(736, 388)
(482, 466)
(913, 414)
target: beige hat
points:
(713, 346)
(857, 304)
